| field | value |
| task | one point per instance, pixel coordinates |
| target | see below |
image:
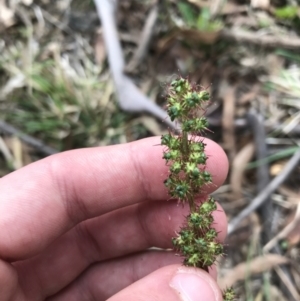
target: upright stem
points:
(185, 145)
(191, 203)
(185, 155)
(197, 240)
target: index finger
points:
(43, 200)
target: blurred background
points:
(79, 74)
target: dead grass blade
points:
(263, 196)
(227, 93)
(144, 42)
(5, 151)
(239, 165)
(17, 150)
(240, 35)
(293, 226)
(100, 50)
(287, 283)
(256, 266)
(151, 124)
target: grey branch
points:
(130, 98)
(256, 123)
(239, 35)
(35, 143)
(263, 196)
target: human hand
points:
(77, 226)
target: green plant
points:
(201, 21)
(197, 240)
(60, 98)
(286, 12)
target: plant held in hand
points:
(197, 239)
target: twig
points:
(35, 143)
(242, 123)
(262, 172)
(290, 42)
(229, 97)
(263, 196)
(284, 232)
(294, 295)
(144, 40)
(56, 22)
(129, 96)
(267, 209)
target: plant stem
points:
(185, 146)
(197, 240)
(185, 154)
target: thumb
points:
(172, 283)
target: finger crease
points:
(90, 250)
(142, 178)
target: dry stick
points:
(294, 224)
(291, 42)
(263, 178)
(144, 40)
(294, 295)
(256, 123)
(35, 143)
(242, 123)
(129, 96)
(263, 196)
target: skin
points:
(77, 226)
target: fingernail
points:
(194, 285)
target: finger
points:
(8, 282)
(172, 283)
(45, 199)
(99, 281)
(128, 230)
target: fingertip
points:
(172, 283)
(195, 285)
(220, 223)
(217, 164)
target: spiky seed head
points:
(176, 167)
(198, 158)
(204, 95)
(208, 207)
(229, 295)
(171, 155)
(200, 124)
(215, 248)
(187, 250)
(187, 125)
(193, 260)
(175, 111)
(197, 146)
(181, 191)
(206, 176)
(211, 234)
(201, 242)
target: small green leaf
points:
(286, 12)
(187, 12)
